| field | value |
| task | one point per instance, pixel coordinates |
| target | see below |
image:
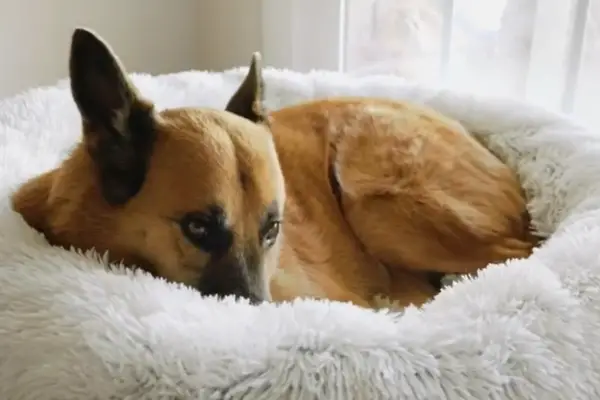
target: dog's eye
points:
(270, 233)
(197, 228)
(208, 231)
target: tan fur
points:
(143, 232)
(416, 195)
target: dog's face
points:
(194, 195)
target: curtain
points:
(543, 51)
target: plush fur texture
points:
(70, 329)
(343, 198)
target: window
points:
(543, 51)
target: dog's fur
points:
(371, 195)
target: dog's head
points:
(194, 195)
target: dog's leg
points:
(401, 230)
(419, 206)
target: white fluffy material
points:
(72, 329)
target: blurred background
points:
(154, 36)
(542, 51)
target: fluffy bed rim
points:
(71, 328)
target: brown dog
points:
(344, 199)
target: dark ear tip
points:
(256, 64)
(83, 35)
(85, 41)
(256, 58)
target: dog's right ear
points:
(247, 101)
(118, 124)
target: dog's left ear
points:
(247, 101)
(118, 123)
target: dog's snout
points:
(234, 275)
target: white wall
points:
(154, 36)
(303, 34)
(230, 31)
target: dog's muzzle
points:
(235, 275)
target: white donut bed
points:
(530, 329)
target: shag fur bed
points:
(72, 329)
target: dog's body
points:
(373, 195)
(379, 193)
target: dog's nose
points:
(234, 276)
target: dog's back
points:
(381, 192)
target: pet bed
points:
(530, 329)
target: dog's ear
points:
(118, 124)
(247, 101)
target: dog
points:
(346, 199)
